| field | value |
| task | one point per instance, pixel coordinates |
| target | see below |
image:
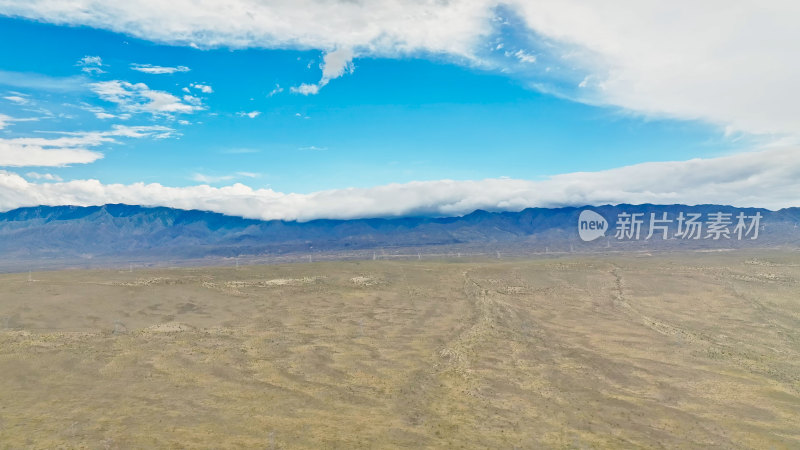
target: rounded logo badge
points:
(591, 225)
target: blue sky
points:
(222, 106)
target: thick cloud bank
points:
(769, 178)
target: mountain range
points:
(50, 236)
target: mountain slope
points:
(121, 232)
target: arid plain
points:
(676, 350)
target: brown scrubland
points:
(676, 350)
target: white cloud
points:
(138, 98)
(151, 131)
(210, 179)
(313, 148)
(525, 57)
(90, 61)
(769, 178)
(102, 114)
(251, 114)
(191, 99)
(158, 70)
(6, 120)
(204, 88)
(91, 70)
(43, 176)
(213, 179)
(17, 99)
(16, 154)
(305, 89)
(334, 65)
(278, 89)
(91, 64)
(386, 26)
(71, 147)
(732, 64)
(42, 82)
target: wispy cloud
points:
(213, 179)
(6, 120)
(240, 151)
(203, 178)
(91, 64)
(14, 153)
(706, 66)
(251, 114)
(524, 56)
(138, 98)
(313, 148)
(38, 81)
(43, 176)
(17, 99)
(90, 61)
(158, 70)
(102, 114)
(70, 147)
(192, 100)
(277, 90)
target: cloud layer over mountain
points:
(769, 178)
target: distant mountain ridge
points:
(118, 232)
